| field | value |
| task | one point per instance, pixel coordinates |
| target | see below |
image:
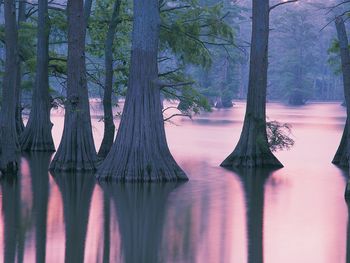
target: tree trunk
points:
(342, 155)
(37, 135)
(140, 151)
(77, 150)
(87, 11)
(19, 119)
(252, 149)
(109, 128)
(9, 140)
(76, 190)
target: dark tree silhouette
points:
(76, 190)
(9, 140)
(253, 181)
(141, 211)
(253, 149)
(342, 155)
(140, 151)
(38, 165)
(37, 134)
(11, 201)
(109, 128)
(76, 151)
(19, 120)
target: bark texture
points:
(140, 151)
(9, 139)
(76, 151)
(76, 190)
(19, 120)
(37, 134)
(87, 11)
(252, 149)
(341, 157)
(109, 127)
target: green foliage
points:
(279, 136)
(98, 27)
(334, 57)
(292, 75)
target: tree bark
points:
(140, 151)
(76, 151)
(109, 128)
(19, 120)
(341, 157)
(9, 139)
(87, 11)
(252, 149)
(37, 135)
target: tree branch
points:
(282, 3)
(162, 84)
(177, 115)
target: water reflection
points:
(218, 216)
(141, 211)
(38, 166)
(348, 234)
(253, 181)
(76, 191)
(11, 204)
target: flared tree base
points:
(341, 160)
(30, 143)
(264, 160)
(341, 157)
(138, 171)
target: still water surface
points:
(295, 214)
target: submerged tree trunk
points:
(37, 135)
(252, 149)
(19, 119)
(9, 140)
(77, 150)
(140, 151)
(109, 128)
(342, 155)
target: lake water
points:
(295, 214)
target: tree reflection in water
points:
(141, 211)
(253, 181)
(76, 190)
(38, 165)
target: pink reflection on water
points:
(304, 216)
